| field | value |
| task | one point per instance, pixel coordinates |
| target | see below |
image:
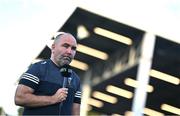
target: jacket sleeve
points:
(30, 78)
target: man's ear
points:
(52, 46)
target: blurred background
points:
(128, 55)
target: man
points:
(40, 89)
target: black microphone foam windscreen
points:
(66, 70)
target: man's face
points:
(64, 50)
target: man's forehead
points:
(68, 40)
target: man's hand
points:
(60, 95)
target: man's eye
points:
(73, 48)
(65, 45)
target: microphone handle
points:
(65, 83)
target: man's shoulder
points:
(42, 62)
(39, 65)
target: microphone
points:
(66, 72)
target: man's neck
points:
(52, 59)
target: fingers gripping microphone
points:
(66, 72)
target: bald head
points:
(61, 35)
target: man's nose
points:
(69, 50)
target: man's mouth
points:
(67, 58)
